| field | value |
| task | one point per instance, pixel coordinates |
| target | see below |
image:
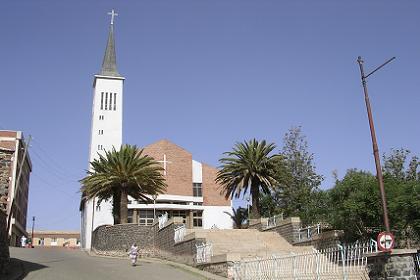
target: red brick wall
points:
(178, 171)
(211, 190)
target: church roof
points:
(109, 64)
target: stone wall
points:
(5, 173)
(288, 229)
(115, 240)
(326, 239)
(397, 265)
(4, 248)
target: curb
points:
(190, 269)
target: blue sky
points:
(205, 74)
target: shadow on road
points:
(19, 269)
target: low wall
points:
(288, 229)
(4, 246)
(326, 239)
(397, 265)
(115, 240)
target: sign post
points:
(386, 241)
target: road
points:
(67, 264)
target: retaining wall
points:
(4, 245)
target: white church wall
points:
(111, 124)
(197, 172)
(215, 215)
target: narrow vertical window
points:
(115, 101)
(106, 100)
(110, 101)
(102, 100)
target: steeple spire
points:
(109, 64)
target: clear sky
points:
(205, 74)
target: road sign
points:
(386, 241)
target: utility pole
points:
(17, 183)
(32, 235)
(373, 135)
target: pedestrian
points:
(23, 241)
(133, 253)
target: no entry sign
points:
(386, 241)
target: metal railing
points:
(204, 253)
(163, 219)
(308, 232)
(179, 233)
(273, 221)
(342, 262)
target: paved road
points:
(64, 264)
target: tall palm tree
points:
(248, 166)
(118, 174)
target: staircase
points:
(248, 243)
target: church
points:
(191, 193)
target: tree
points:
(355, 206)
(118, 174)
(249, 166)
(238, 216)
(300, 179)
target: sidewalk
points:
(14, 270)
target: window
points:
(130, 216)
(106, 100)
(197, 189)
(102, 100)
(115, 101)
(101, 117)
(110, 101)
(98, 207)
(101, 132)
(197, 218)
(100, 147)
(146, 217)
(179, 213)
(54, 239)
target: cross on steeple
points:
(112, 14)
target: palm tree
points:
(248, 166)
(118, 174)
(238, 216)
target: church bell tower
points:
(106, 131)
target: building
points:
(106, 131)
(15, 169)
(191, 193)
(56, 239)
(191, 189)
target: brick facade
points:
(179, 177)
(178, 170)
(211, 190)
(12, 149)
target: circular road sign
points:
(386, 241)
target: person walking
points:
(133, 253)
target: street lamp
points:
(154, 206)
(248, 198)
(373, 135)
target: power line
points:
(60, 175)
(54, 186)
(52, 159)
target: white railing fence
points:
(204, 252)
(179, 233)
(273, 221)
(342, 262)
(308, 232)
(163, 219)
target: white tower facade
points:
(106, 133)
